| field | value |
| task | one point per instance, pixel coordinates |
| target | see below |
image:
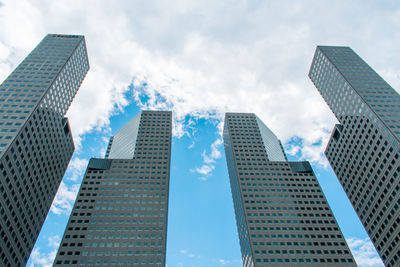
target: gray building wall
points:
(35, 140)
(120, 214)
(364, 147)
(282, 215)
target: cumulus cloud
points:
(65, 198)
(204, 169)
(76, 169)
(205, 58)
(209, 160)
(364, 252)
(43, 259)
(214, 154)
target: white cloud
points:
(214, 154)
(205, 58)
(189, 255)
(65, 198)
(364, 252)
(213, 62)
(45, 259)
(292, 149)
(76, 169)
(228, 262)
(191, 145)
(209, 160)
(204, 169)
(42, 259)
(54, 241)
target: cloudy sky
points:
(201, 59)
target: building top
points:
(352, 88)
(272, 145)
(48, 78)
(65, 35)
(123, 143)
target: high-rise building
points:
(35, 140)
(282, 216)
(120, 214)
(364, 147)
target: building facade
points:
(364, 147)
(282, 216)
(35, 139)
(120, 214)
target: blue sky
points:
(201, 59)
(201, 223)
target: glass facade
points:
(244, 237)
(35, 140)
(122, 144)
(272, 145)
(282, 215)
(120, 214)
(364, 147)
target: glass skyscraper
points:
(282, 216)
(364, 147)
(35, 140)
(120, 214)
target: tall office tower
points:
(120, 214)
(364, 147)
(282, 215)
(35, 140)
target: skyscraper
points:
(35, 140)
(282, 215)
(120, 214)
(364, 147)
